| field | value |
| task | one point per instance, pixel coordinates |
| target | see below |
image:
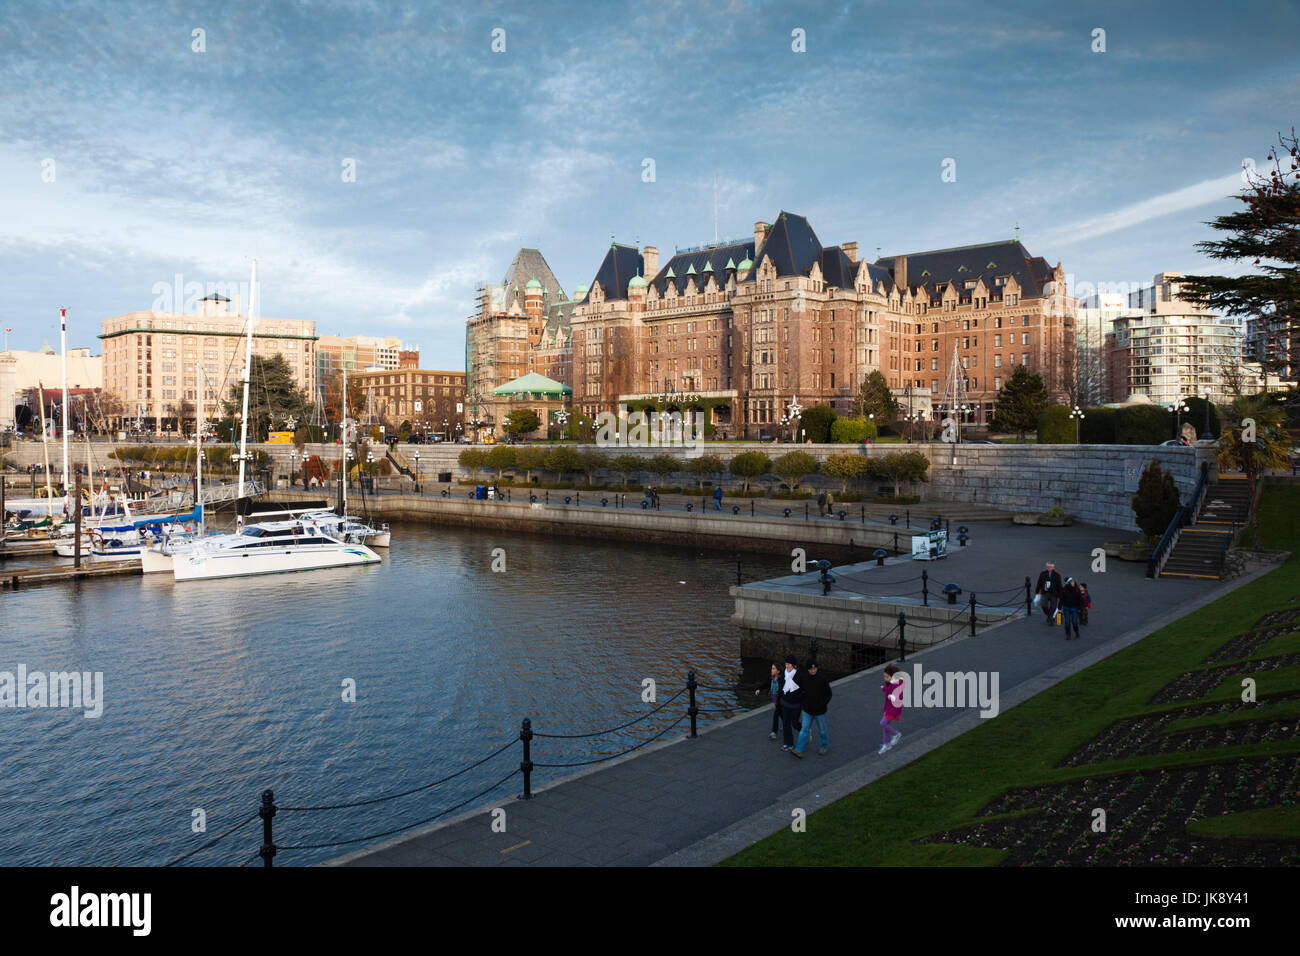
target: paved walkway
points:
(698, 801)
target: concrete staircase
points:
(1201, 547)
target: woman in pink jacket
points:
(893, 691)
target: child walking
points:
(774, 695)
(1087, 603)
(893, 691)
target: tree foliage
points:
(475, 459)
(627, 466)
(272, 397)
(794, 466)
(704, 467)
(529, 459)
(1156, 501)
(846, 468)
(1022, 399)
(875, 397)
(749, 464)
(901, 466)
(562, 459)
(521, 421)
(1270, 451)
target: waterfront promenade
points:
(697, 801)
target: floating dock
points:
(28, 576)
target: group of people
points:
(825, 503)
(801, 697)
(1070, 597)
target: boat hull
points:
(243, 562)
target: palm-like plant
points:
(1270, 450)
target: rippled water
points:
(217, 690)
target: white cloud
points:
(1126, 217)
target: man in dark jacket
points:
(791, 699)
(816, 698)
(1049, 586)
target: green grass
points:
(948, 786)
(1273, 823)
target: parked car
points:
(464, 440)
(1173, 441)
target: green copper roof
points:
(691, 270)
(708, 267)
(533, 284)
(731, 263)
(745, 265)
(636, 283)
(532, 383)
(670, 274)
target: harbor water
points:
(215, 691)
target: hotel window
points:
(997, 383)
(997, 341)
(934, 345)
(934, 385)
(1024, 319)
(998, 322)
(997, 361)
(1024, 358)
(934, 365)
(1024, 339)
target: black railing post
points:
(895, 542)
(972, 614)
(805, 511)
(526, 765)
(267, 812)
(909, 517)
(902, 637)
(751, 507)
(925, 587)
(1029, 598)
(864, 513)
(692, 710)
(737, 569)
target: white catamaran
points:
(271, 547)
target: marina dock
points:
(46, 575)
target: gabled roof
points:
(532, 383)
(838, 269)
(963, 264)
(791, 245)
(620, 265)
(529, 265)
(715, 261)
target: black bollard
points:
(737, 569)
(972, 614)
(526, 765)
(863, 508)
(925, 585)
(895, 542)
(692, 710)
(805, 511)
(578, 495)
(902, 637)
(880, 555)
(267, 812)
(1029, 598)
(548, 496)
(850, 547)
(909, 518)
(751, 507)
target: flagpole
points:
(63, 346)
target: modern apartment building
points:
(1165, 348)
(150, 357)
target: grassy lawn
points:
(882, 823)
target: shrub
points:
(1055, 427)
(817, 422)
(846, 468)
(850, 431)
(1196, 416)
(901, 466)
(1098, 427)
(1143, 425)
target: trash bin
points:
(480, 492)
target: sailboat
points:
(271, 547)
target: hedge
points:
(1143, 425)
(1055, 427)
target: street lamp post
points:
(417, 472)
(1178, 407)
(872, 419)
(293, 466)
(1077, 415)
(1205, 435)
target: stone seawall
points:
(1092, 482)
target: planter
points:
(1048, 521)
(1127, 551)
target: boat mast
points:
(63, 349)
(248, 362)
(198, 441)
(344, 456)
(45, 450)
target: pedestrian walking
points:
(1047, 592)
(1087, 603)
(892, 688)
(830, 503)
(816, 699)
(1071, 605)
(774, 695)
(717, 498)
(791, 700)
(821, 502)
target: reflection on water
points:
(217, 690)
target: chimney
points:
(851, 250)
(900, 273)
(760, 234)
(650, 255)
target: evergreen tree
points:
(1156, 501)
(875, 398)
(272, 397)
(1020, 402)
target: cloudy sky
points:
(133, 149)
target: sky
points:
(380, 160)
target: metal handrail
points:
(1184, 516)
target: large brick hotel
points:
(752, 324)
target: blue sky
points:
(167, 160)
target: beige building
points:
(150, 357)
(424, 397)
(22, 371)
